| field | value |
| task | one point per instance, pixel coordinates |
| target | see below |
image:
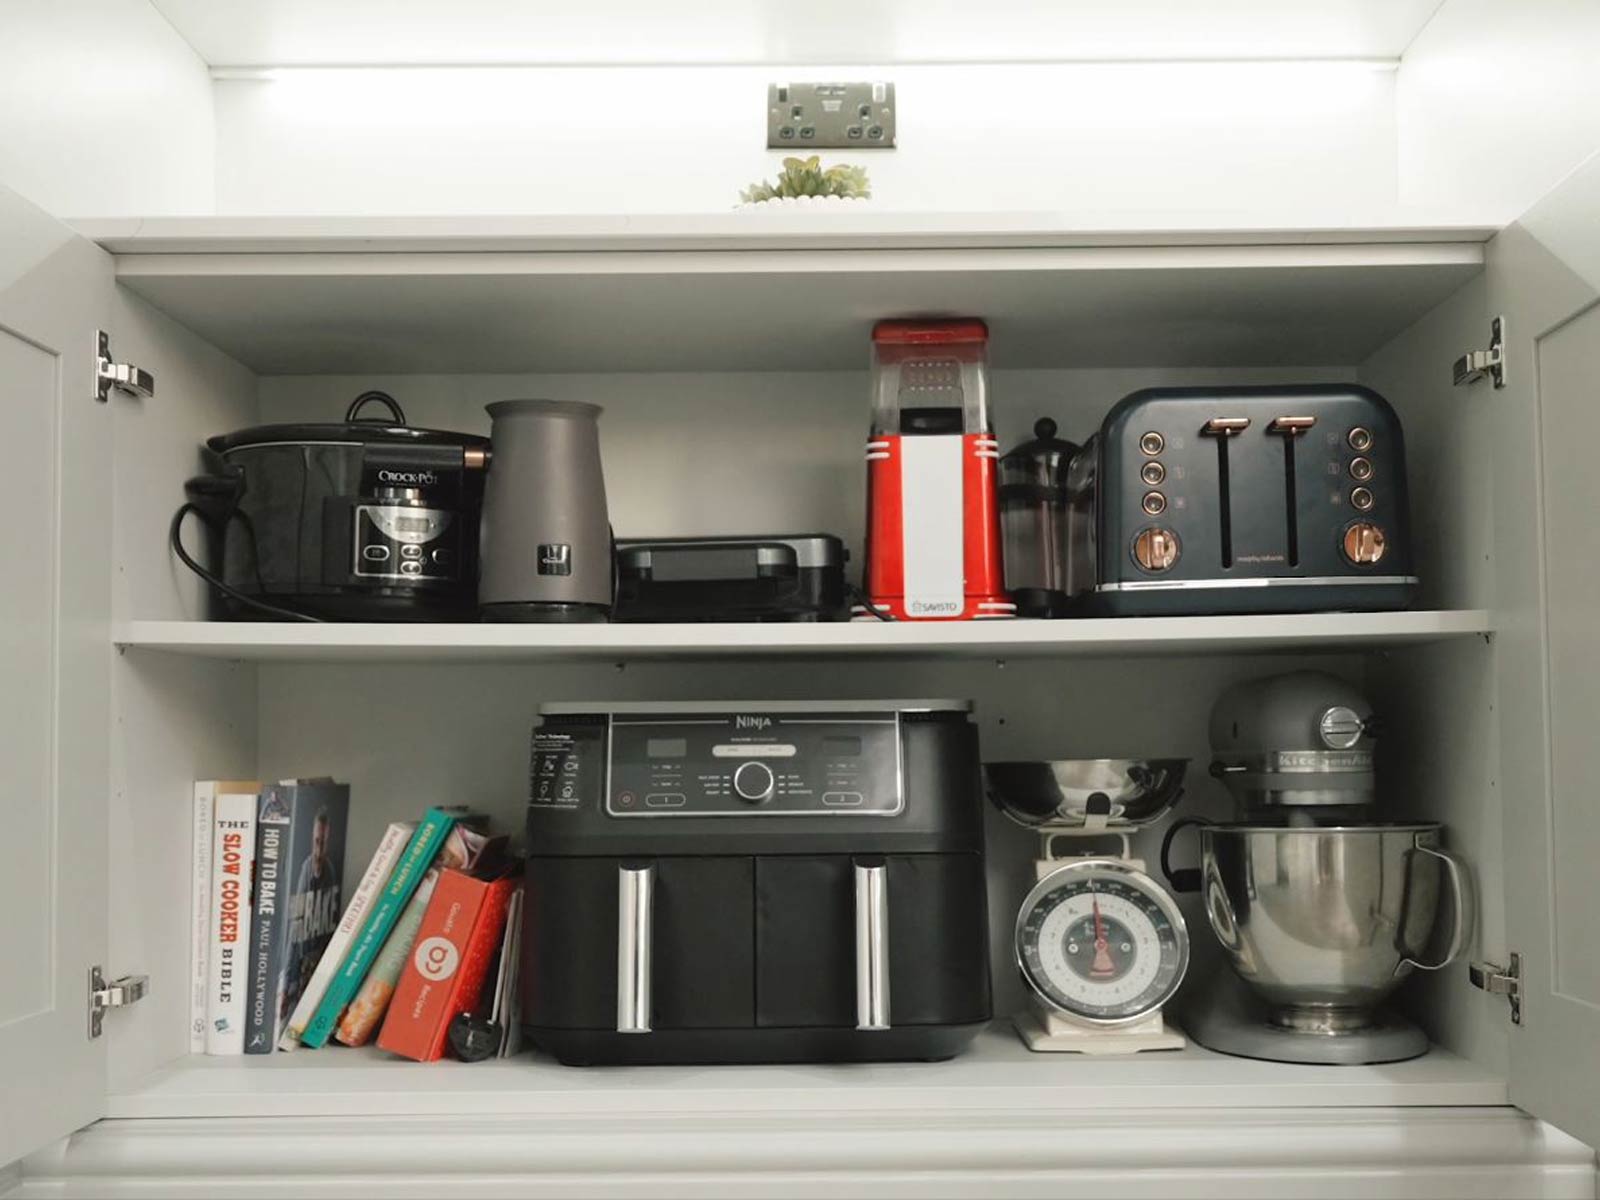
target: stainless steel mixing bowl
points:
(1324, 922)
(1118, 793)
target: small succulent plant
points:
(808, 177)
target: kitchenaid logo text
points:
(408, 478)
(752, 722)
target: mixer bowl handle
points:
(1182, 879)
(1462, 902)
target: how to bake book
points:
(300, 833)
(233, 850)
(373, 880)
(462, 849)
(380, 919)
(449, 963)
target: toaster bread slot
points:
(1289, 428)
(1223, 428)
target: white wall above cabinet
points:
(79, 135)
(744, 292)
(231, 32)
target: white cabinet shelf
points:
(865, 228)
(996, 1074)
(748, 292)
(298, 642)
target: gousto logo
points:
(436, 958)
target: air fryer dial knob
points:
(1155, 549)
(753, 782)
(1364, 543)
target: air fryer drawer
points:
(805, 926)
(702, 960)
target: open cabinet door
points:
(1543, 276)
(55, 656)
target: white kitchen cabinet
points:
(726, 350)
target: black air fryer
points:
(775, 882)
(1242, 500)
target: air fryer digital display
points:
(754, 764)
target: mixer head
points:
(1296, 748)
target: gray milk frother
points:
(545, 538)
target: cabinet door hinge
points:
(125, 377)
(1501, 981)
(1477, 364)
(118, 993)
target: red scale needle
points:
(1102, 964)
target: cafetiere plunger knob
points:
(1155, 549)
(1364, 543)
(753, 782)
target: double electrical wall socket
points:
(834, 116)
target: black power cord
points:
(865, 601)
(175, 536)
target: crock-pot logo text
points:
(752, 722)
(407, 478)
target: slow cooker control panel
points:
(752, 764)
(406, 542)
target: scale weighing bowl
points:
(1069, 793)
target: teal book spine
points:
(386, 910)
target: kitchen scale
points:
(1100, 944)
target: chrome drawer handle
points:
(872, 946)
(635, 896)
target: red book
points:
(449, 961)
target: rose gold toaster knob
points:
(1364, 543)
(1155, 549)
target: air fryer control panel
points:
(398, 541)
(712, 764)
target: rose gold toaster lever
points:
(1224, 426)
(1291, 426)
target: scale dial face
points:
(1101, 942)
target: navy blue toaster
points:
(1196, 501)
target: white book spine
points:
(372, 882)
(205, 796)
(233, 852)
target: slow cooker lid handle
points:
(397, 416)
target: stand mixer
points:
(1322, 906)
(1100, 944)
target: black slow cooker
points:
(365, 520)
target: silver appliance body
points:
(545, 536)
(1322, 907)
(1324, 923)
(1086, 793)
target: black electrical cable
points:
(175, 536)
(866, 602)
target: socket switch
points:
(830, 116)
